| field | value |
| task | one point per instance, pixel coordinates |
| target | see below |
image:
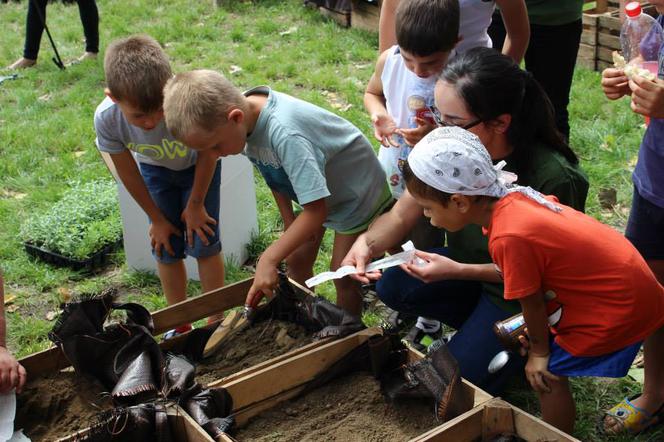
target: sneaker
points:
(22, 63)
(176, 332)
(419, 339)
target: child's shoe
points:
(420, 339)
(176, 332)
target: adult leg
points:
(558, 408)
(349, 296)
(551, 57)
(87, 9)
(34, 27)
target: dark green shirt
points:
(551, 174)
(554, 12)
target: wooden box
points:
(493, 418)
(365, 14)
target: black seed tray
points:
(95, 262)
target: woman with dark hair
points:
(489, 95)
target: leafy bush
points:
(83, 222)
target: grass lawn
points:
(47, 138)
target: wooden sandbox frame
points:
(265, 385)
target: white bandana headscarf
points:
(453, 160)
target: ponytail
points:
(492, 84)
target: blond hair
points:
(136, 70)
(199, 100)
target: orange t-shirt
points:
(607, 295)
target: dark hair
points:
(418, 187)
(424, 27)
(136, 70)
(492, 84)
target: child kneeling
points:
(555, 260)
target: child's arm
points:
(194, 215)
(285, 206)
(160, 229)
(374, 103)
(12, 374)
(438, 268)
(301, 229)
(517, 27)
(647, 96)
(615, 83)
(537, 367)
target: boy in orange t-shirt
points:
(556, 261)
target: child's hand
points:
(384, 128)
(413, 136)
(615, 83)
(266, 280)
(160, 234)
(197, 220)
(647, 96)
(12, 374)
(537, 372)
(437, 267)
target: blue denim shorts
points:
(645, 228)
(170, 190)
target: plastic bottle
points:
(640, 38)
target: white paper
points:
(7, 414)
(407, 256)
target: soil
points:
(251, 345)
(58, 405)
(351, 408)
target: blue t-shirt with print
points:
(648, 175)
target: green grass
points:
(48, 138)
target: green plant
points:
(84, 221)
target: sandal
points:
(631, 419)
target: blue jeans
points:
(463, 305)
(170, 190)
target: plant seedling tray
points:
(95, 262)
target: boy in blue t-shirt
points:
(645, 227)
(306, 155)
(176, 187)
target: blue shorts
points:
(612, 365)
(170, 190)
(645, 228)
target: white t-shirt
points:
(474, 21)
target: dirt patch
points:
(251, 345)
(351, 408)
(58, 405)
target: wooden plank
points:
(292, 372)
(465, 427)
(243, 416)
(609, 41)
(610, 22)
(605, 54)
(531, 428)
(586, 51)
(269, 362)
(497, 419)
(202, 306)
(589, 37)
(602, 5)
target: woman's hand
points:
(615, 83)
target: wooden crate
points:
(365, 15)
(493, 418)
(601, 35)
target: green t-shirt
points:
(550, 12)
(551, 174)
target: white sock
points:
(427, 325)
